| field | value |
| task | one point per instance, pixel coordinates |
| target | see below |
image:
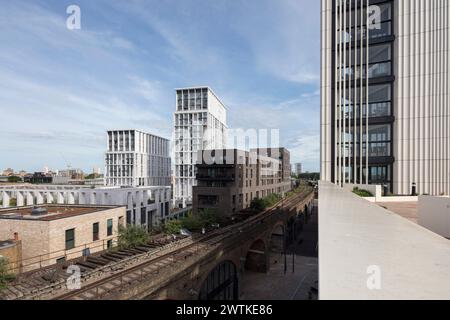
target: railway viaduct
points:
(207, 267)
(215, 272)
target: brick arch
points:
(276, 242)
(207, 288)
(277, 226)
(256, 258)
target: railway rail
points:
(150, 260)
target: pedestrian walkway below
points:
(301, 274)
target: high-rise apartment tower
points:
(200, 123)
(385, 94)
(135, 158)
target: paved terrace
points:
(407, 210)
(354, 234)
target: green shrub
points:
(362, 193)
(272, 199)
(173, 227)
(258, 205)
(5, 276)
(192, 223)
(132, 236)
(210, 216)
(13, 202)
(14, 179)
(204, 219)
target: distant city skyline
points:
(61, 90)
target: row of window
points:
(376, 174)
(70, 240)
(377, 93)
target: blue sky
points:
(60, 89)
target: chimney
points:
(16, 236)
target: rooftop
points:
(360, 242)
(7, 243)
(140, 131)
(50, 212)
(199, 88)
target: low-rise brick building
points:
(52, 233)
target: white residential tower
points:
(135, 158)
(200, 123)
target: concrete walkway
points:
(276, 285)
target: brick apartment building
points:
(228, 180)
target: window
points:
(143, 216)
(86, 252)
(95, 232)
(70, 239)
(109, 244)
(129, 217)
(167, 208)
(109, 227)
(61, 260)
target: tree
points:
(92, 176)
(258, 205)
(210, 216)
(206, 218)
(5, 276)
(192, 223)
(132, 236)
(173, 227)
(272, 199)
(314, 176)
(14, 179)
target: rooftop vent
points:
(39, 211)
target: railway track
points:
(147, 260)
(110, 285)
(30, 284)
(113, 284)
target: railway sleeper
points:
(99, 260)
(87, 265)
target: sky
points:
(62, 89)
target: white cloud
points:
(288, 47)
(296, 119)
(76, 85)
